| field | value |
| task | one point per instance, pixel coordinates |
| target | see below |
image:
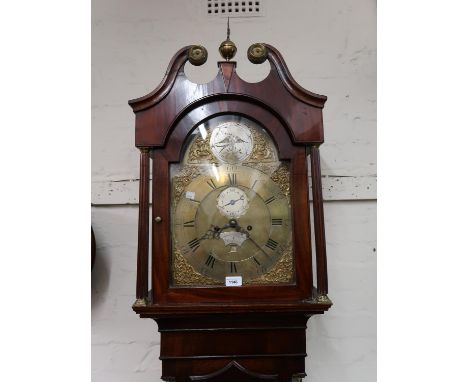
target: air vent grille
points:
(223, 8)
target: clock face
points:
(231, 211)
(233, 202)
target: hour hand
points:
(211, 233)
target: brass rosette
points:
(257, 53)
(197, 55)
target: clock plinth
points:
(230, 200)
(233, 343)
(207, 346)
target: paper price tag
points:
(190, 195)
(233, 281)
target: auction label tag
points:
(234, 281)
(190, 195)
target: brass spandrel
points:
(200, 152)
(182, 179)
(263, 149)
(282, 179)
(281, 273)
(185, 274)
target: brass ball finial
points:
(227, 49)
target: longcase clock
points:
(231, 283)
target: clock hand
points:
(260, 248)
(223, 147)
(232, 202)
(212, 233)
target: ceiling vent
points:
(223, 8)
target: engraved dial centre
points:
(231, 142)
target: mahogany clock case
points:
(164, 120)
(213, 332)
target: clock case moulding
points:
(222, 333)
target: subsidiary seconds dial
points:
(232, 202)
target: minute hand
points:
(260, 248)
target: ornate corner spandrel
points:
(281, 178)
(281, 273)
(263, 150)
(200, 151)
(182, 179)
(185, 274)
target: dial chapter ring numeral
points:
(210, 261)
(272, 244)
(194, 244)
(232, 179)
(270, 199)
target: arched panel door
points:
(228, 181)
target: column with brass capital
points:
(319, 226)
(143, 229)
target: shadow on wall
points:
(99, 276)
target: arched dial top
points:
(231, 212)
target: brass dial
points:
(232, 220)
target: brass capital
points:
(323, 299)
(140, 302)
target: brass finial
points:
(227, 49)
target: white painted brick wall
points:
(330, 48)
